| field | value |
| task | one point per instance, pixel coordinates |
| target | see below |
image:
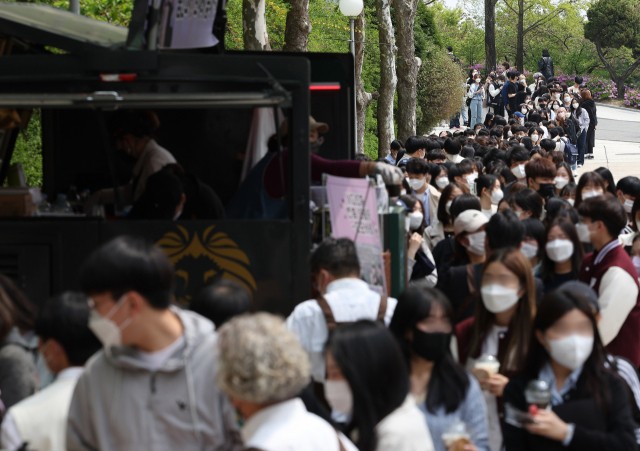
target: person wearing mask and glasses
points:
(501, 328)
(589, 406)
(443, 390)
(368, 382)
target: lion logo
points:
(200, 261)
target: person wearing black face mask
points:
(444, 391)
(541, 177)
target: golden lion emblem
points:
(202, 261)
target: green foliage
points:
(28, 150)
(440, 89)
(426, 31)
(615, 23)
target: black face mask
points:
(547, 190)
(430, 346)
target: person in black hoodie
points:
(590, 407)
(590, 107)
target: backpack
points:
(570, 152)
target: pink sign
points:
(354, 215)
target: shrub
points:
(440, 89)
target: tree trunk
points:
(363, 98)
(298, 27)
(617, 79)
(520, 47)
(407, 67)
(490, 36)
(388, 79)
(254, 25)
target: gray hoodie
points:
(120, 404)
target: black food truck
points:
(72, 73)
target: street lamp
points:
(352, 9)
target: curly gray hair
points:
(260, 360)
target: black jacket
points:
(545, 66)
(590, 107)
(594, 430)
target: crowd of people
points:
(518, 328)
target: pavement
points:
(617, 144)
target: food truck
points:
(72, 72)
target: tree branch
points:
(510, 7)
(542, 21)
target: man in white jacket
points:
(152, 386)
(65, 343)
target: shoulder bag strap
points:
(382, 310)
(328, 314)
(471, 282)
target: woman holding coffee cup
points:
(590, 406)
(445, 392)
(500, 327)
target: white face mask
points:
(501, 83)
(571, 201)
(522, 120)
(572, 351)
(523, 111)
(497, 298)
(519, 171)
(559, 250)
(496, 196)
(561, 115)
(628, 205)
(529, 250)
(567, 99)
(416, 184)
(583, 232)
(575, 106)
(105, 329)
(415, 220)
(447, 207)
(557, 96)
(561, 182)
(476, 243)
(442, 182)
(588, 194)
(534, 138)
(555, 107)
(478, 80)
(470, 179)
(339, 396)
(636, 263)
(509, 134)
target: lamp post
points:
(352, 9)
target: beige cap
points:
(469, 221)
(321, 127)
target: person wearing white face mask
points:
(582, 116)
(589, 406)
(443, 228)
(477, 96)
(533, 245)
(418, 170)
(368, 382)
(275, 369)
(66, 343)
(153, 350)
(470, 236)
(591, 184)
(517, 158)
(627, 189)
(501, 327)
(490, 192)
(563, 254)
(627, 239)
(421, 268)
(564, 176)
(610, 272)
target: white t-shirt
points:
(154, 360)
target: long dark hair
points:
(588, 178)
(607, 176)
(372, 362)
(449, 382)
(548, 265)
(513, 356)
(553, 307)
(443, 216)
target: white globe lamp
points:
(351, 8)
